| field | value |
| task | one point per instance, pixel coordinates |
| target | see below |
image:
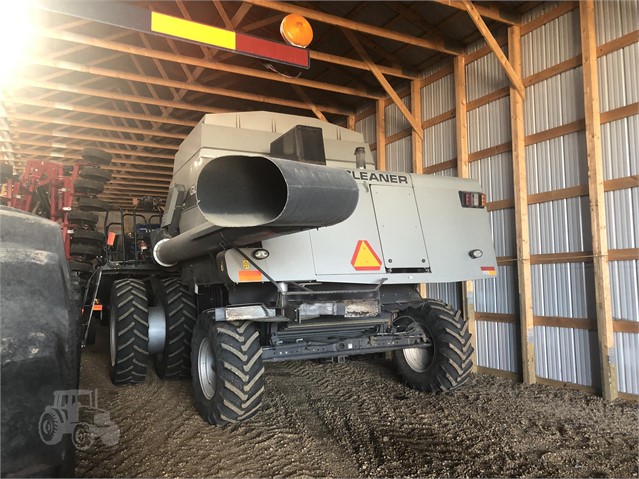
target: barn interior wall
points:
(565, 331)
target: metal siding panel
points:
(560, 226)
(563, 290)
(489, 125)
(550, 44)
(484, 76)
(564, 354)
(394, 119)
(557, 163)
(618, 78)
(438, 97)
(554, 102)
(502, 225)
(367, 127)
(440, 143)
(627, 347)
(498, 294)
(624, 289)
(619, 145)
(496, 346)
(399, 155)
(621, 218)
(448, 172)
(495, 174)
(615, 18)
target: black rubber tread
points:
(95, 174)
(6, 171)
(82, 218)
(85, 251)
(180, 314)
(89, 187)
(96, 156)
(93, 204)
(130, 324)
(87, 237)
(239, 370)
(452, 348)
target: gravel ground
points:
(356, 420)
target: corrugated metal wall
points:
(561, 289)
(619, 87)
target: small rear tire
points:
(128, 331)
(89, 187)
(96, 156)
(227, 369)
(95, 174)
(93, 204)
(446, 362)
(82, 219)
(88, 237)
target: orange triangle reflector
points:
(365, 258)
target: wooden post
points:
(381, 135)
(350, 122)
(526, 325)
(417, 140)
(597, 201)
(461, 121)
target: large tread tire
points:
(233, 367)
(129, 331)
(180, 314)
(93, 204)
(445, 365)
(96, 156)
(89, 187)
(95, 174)
(82, 219)
(40, 343)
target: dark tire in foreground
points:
(227, 369)
(446, 362)
(128, 331)
(180, 314)
(40, 345)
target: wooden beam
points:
(461, 124)
(350, 122)
(603, 302)
(302, 94)
(438, 45)
(417, 140)
(147, 79)
(203, 63)
(493, 12)
(380, 135)
(524, 274)
(57, 105)
(417, 125)
(514, 77)
(81, 136)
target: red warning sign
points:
(365, 258)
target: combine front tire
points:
(445, 363)
(128, 331)
(227, 369)
(180, 314)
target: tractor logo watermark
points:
(76, 412)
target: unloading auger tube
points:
(251, 198)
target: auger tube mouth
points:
(241, 191)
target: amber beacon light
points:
(296, 30)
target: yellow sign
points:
(365, 258)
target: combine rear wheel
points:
(445, 363)
(180, 314)
(128, 331)
(227, 369)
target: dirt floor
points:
(356, 420)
